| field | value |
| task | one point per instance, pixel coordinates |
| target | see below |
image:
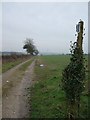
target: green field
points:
(47, 98)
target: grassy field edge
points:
(47, 97)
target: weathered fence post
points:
(79, 29)
(79, 45)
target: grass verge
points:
(9, 65)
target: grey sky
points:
(51, 25)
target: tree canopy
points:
(30, 47)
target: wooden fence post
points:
(80, 35)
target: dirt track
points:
(14, 103)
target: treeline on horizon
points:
(22, 53)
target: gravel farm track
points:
(15, 102)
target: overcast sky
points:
(51, 25)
